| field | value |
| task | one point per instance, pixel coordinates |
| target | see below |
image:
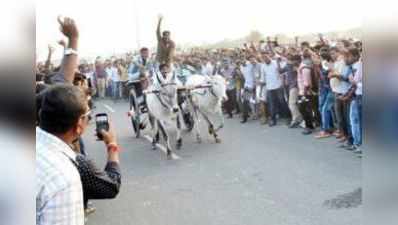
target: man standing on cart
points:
(166, 47)
(165, 59)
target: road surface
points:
(258, 175)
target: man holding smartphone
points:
(78, 179)
(63, 200)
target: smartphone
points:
(101, 123)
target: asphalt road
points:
(257, 176)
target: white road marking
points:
(108, 108)
(162, 148)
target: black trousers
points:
(277, 103)
(305, 106)
(230, 104)
(315, 109)
(247, 94)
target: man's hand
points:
(160, 17)
(68, 28)
(109, 136)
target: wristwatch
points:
(70, 51)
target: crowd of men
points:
(313, 86)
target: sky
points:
(108, 27)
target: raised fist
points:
(160, 16)
(68, 27)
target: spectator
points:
(59, 194)
(101, 77)
(115, 77)
(227, 72)
(304, 83)
(109, 69)
(239, 80)
(122, 69)
(290, 71)
(345, 98)
(249, 70)
(326, 96)
(352, 58)
(339, 85)
(99, 184)
(88, 71)
(275, 95)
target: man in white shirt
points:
(113, 79)
(274, 85)
(340, 85)
(250, 71)
(208, 68)
(108, 80)
(59, 194)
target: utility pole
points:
(137, 27)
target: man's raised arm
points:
(48, 61)
(158, 34)
(70, 59)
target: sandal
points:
(323, 135)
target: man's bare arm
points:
(296, 41)
(48, 61)
(158, 34)
(69, 62)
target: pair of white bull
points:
(205, 97)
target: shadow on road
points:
(348, 200)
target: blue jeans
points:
(356, 119)
(116, 89)
(109, 92)
(326, 102)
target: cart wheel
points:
(137, 121)
(133, 100)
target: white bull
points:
(161, 100)
(206, 96)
